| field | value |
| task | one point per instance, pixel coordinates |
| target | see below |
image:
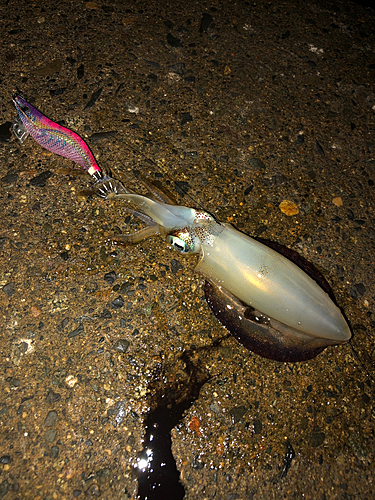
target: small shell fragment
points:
(337, 201)
(194, 425)
(288, 208)
(35, 311)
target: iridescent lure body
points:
(52, 136)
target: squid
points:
(270, 304)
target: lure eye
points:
(178, 244)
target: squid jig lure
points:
(52, 136)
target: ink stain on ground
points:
(172, 392)
(234, 108)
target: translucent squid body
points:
(266, 301)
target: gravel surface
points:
(263, 114)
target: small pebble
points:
(237, 413)
(257, 164)
(92, 6)
(5, 133)
(186, 118)
(41, 179)
(50, 419)
(80, 71)
(205, 23)
(35, 311)
(64, 322)
(117, 303)
(9, 178)
(71, 380)
(173, 41)
(52, 397)
(97, 136)
(95, 96)
(93, 491)
(257, 426)
(288, 208)
(317, 439)
(175, 266)
(64, 255)
(319, 147)
(248, 190)
(337, 201)
(76, 332)
(9, 289)
(122, 345)
(110, 277)
(50, 435)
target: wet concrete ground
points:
(240, 106)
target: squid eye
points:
(178, 244)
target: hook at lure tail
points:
(54, 137)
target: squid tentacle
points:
(138, 236)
